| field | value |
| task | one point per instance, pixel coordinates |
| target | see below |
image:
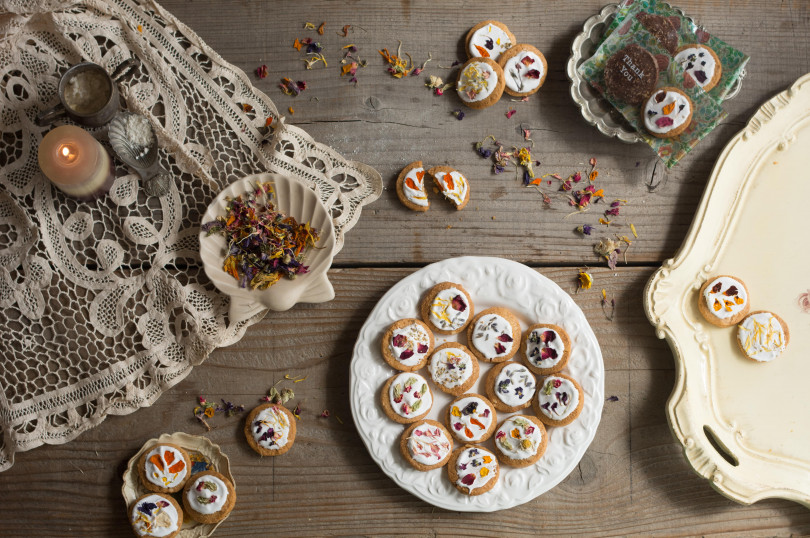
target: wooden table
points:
(633, 478)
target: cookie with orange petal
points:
(411, 187)
(452, 184)
(488, 39)
(164, 468)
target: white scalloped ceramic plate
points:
(292, 198)
(196, 446)
(744, 425)
(491, 282)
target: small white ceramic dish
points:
(744, 425)
(491, 282)
(292, 198)
(203, 453)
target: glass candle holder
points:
(76, 163)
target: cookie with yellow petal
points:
(452, 184)
(473, 470)
(411, 187)
(723, 300)
(488, 39)
(164, 468)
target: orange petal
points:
(717, 306)
(155, 459)
(409, 182)
(668, 109)
(177, 467)
(467, 432)
(482, 51)
(448, 180)
(420, 175)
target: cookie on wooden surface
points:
(510, 386)
(426, 445)
(559, 400)
(524, 69)
(480, 83)
(164, 468)
(406, 397)
(406, 345)
(471, 418)
(494, 335)
(488, 39)
(762, 336)
(411, 187)
(521, 440)
(447, 308)
(208, 497)
(473, 470)
(667, 112)
(453, 368)
(453, 185)
(723, 300)
(270, 429)
(547, 348)
(156, 514)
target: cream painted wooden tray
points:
(744, 425)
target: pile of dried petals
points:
(207, 409)
(263, 244)
(397, 66)
(437, 85)
(292, 88)
(351, 63)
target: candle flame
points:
(68, 153)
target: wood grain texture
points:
(633, 480)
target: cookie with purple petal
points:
(406, 397)
(547, 348)
(447, 308)
(453, 368)
(426, 445)
(559, 400)
(488, 39)
(510, 386)
(473, 470)
(406, 345)
(494, 335)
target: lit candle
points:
(75, 162)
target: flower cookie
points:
(559, 400)
(524, 68)
(488, 39)
(406, 398)
(661, 28)
(471, 418)
(667, 113)
(406, 345)
(208, 497)
(723, 300)
(411, 187)
(473, 470)
(701, 64)
(631, 74)
(547, 348)
(452, 184)
(510, 386)
(480, 83)
(762, 336)
(492, 333)
(164, 468)
(520, 440)
(426, 445)
(453, 368)
(270, 429)
(446, 308)
(156, 514)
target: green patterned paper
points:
(733, 60)
(706, 113)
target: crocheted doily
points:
(105, 304)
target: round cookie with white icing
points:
(762, 336)
(453, 368)
(411, 187)
(157, 515)
(667, 112)
(494, 335)
(488, 39)
(521, 440)
(406, 398)
(524, 69)
(164, 468)
(480, 83)
(471, 418)
(559, 400)
(473, 470)
(270, 429)
(547, 348)
(723, 300)
(208, 497)
(426, 445)
(701, 64)
(447, 308)
(453, 185)
(510, 386)
(407, 344)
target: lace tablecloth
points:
(104, 305)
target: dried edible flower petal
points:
(585, 280)
(510, 113)
(261, 71)
(345, 31)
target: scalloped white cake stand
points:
(744, 425)
(491, 282)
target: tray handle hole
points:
(721, 449)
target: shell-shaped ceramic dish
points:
(744, 425)
(128, 151)
(203, 453)
(292, 198)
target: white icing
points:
(415, 336)
(475, 467)
(459, 190)
(450, 367)
(465, 413)
(429, 444)
(654, 111)
(442, 313)
(518, 438)
(417, 196)
(154, 516)
(518, 67)
(275, 419)
(213, 497)
(728, 305)
(410, 395)
(476, 82)
(500, 41)
(560, 401)
(161, 476)
(514, 385)
(492, 336)
(762, 336)
(696, 59)
(544, 354)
